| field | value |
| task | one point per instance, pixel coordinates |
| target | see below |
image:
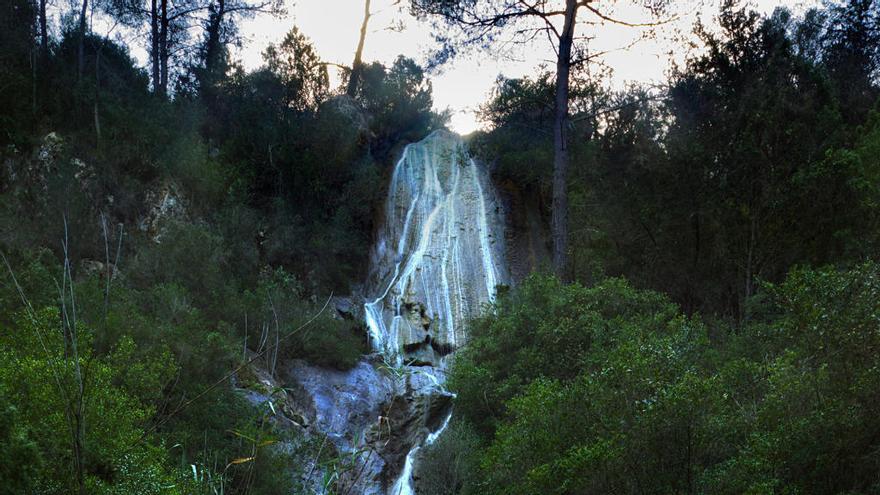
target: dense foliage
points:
(611, 389)
(149, 249)
(720, 335)
(752, 159)
(739, 355)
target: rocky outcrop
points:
(526, 233)
(343, 405)
(164, 202)
(263, 391)
(348, 108)
(438, 258)
(438, 253)
(348, 308)
(30, 174)
(372, 413)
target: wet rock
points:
(341, 404)
(346, 308)
(378, 413)
(164, 203)
(439, 252)
(347, 409)
(260, 389)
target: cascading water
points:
(435, 264)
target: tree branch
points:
(586, 4)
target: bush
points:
(329, 342)
(449, 466)
(633, 397)
(279, 306)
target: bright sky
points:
(465, 83)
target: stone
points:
(437, 259)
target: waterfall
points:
(435, 264)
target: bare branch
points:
(612, 20)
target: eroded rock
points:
(164, 203)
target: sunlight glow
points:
(467, 82)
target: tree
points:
(220, 29)
(357, 65)
(756, 194)
(82, 39)
(398, 100)
(44, 30)
(299, 68)
(852, 56)
(173, 24)
(170, 23)
(481, 22)
(16, 76)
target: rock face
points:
(527, 234)
(165, 203)
(437, 261)
(437, 256)
(370, 411)
(341, 404)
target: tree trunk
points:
(44, 31)
(212, 44)
(154, 45)
(78, 451)
(97, 98)
(748, 288)
(33, 56)
(357, 65)
(163, 49)
(559, 225)
(81, 52)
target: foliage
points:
(760, 155)
(36, 375)
(611, 389)
(229, 237)
(145, 354)
(18, 54)
(398, 100)
(751, 161)
(452, 462)
(309, 333)
(300, 71)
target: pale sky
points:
(464, 83)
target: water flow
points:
(404, 484)
(435, 263)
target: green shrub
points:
(449, 466)
(612, 390)
(329, 342)
(304, 332)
